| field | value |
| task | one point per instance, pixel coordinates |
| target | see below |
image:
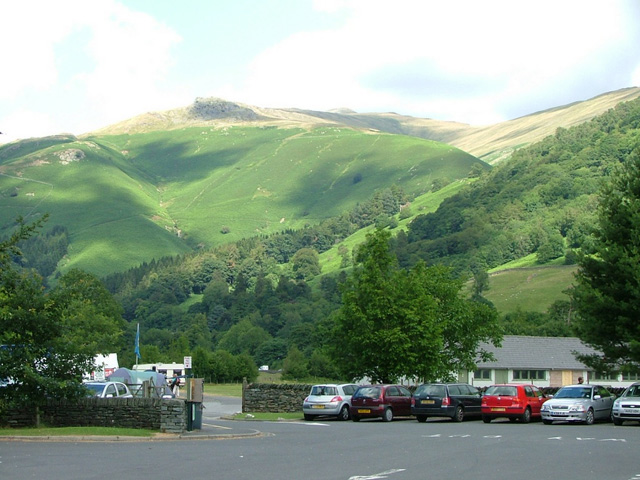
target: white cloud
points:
(132, 55)
(470, 56)
(29, 33)
(26, 124)
(115, 61)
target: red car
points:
(385, 401)
(514, 401)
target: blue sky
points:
(78, 65)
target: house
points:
(543, 361)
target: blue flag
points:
(137, 349)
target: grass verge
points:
(268, 416)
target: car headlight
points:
(576, 408)
(544, 407)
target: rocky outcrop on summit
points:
(216, 108)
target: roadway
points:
(332, 450)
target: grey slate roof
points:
(541, 353)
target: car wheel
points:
(355, 418)
(590, 418)
(547, 422)
(458, 416)
(486, 419)
(421, 418)
(308, 417)
(616, 421)
(387, 416)
(526, 416)
(344, 413)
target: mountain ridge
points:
(490, 143)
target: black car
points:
(453, 400)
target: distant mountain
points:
(490, 143)
(165, 183)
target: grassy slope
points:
(107, 212)
(136, 197)
(262, 180)
(530, 288)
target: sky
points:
(73, 66)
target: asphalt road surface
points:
(332, 450)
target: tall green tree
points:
(407, 323)
(91, 318)
(607, 293)
(35, 349)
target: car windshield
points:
(633, 391)
(502, 390)
(324, 390)
(432, 390)
(95, 388)
(573, 392)
(368, 392)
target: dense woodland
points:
(265, 300)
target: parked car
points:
(385, 401)
(627, 405)
(329, 399)
(453, 400)
(578, 403)
(108, 390)
(514, 401)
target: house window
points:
(482, 374)
(633, 377)
(529, 374)
(599, 376)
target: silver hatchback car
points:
(578, 403)
(627, 405)
(329, 400)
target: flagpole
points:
(137, 345)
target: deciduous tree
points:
(396, 323)
(35, 351)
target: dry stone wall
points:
(273, 398)
(166, 415)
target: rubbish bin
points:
(194, 416)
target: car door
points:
(603, 401)
(472, 399)
(532, 394)
(110, 391)
(404, 399)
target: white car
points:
(108, 390)
(329, 400)
(627, 405)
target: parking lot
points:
(370, 449)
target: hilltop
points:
(490, 143)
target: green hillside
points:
(107, 212)
(130, 198)
(531, 289)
